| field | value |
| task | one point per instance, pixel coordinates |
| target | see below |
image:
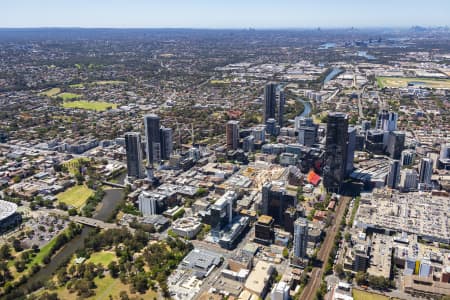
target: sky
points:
(224, 13)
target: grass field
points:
(104, 82)
(105, 287)
(89, 105)
(73, 164)
(75, 196)
(216, 81)
(104, 258)
(100, 82)
(77, 85)
(362, 295)
(51, 92)
(69, 96)
(402, 82)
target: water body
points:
(334, 72)
(307, 108)
(327, 46)
(113, 197)
(365, 55)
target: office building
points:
(248, 143)
(444, 157)
(153, 136)
(445, 151)
(351, 146)
(365, 125)
(280, 291)
(264, 233)
(259, 133)
(425, 170)
(300, 121)
(276, 199)
(335, 163)
(307, 136)
(360, 142)
(396, 143)
(166, 143)
(407, 157)
(300, 237)
(269, 101)
(135, 166)
(271, 126)
(281, 102)
(220, 213)
(387, 121)
(408, 180)
(152, 203)
(232, 131)
(393, 178)
(375, 141)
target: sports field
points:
(75, 196)
(402, 82)
(89, 105)
(68, 96)
(51, 92)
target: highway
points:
(316, 275)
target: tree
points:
(361, 278)
(347, 236)
(123, 295)
(5, 252)
(141, 283)
(113, 269)
(285, 252)
(72, 212)
(339, 269)
(17, 245)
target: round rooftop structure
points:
(7, 209)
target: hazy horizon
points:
(233, 14)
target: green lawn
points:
(104, 258)
(89, 105)
(69, 96)
(73, 164)
(51, 92)
(44, 251)
(362, 295)
(77, 85)
(75, 196)
(106, 286)
(103, 82)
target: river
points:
(334, 72)
(112, 198)
(307, 107)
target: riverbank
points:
(112, 198)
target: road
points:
(360, 107)
(316, 275)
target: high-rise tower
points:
(152, 134)
(300, 237)
(426, 170)
(334, 167)
(232, 131)
(134, 155)
(269, 101)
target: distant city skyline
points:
(223, 14)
